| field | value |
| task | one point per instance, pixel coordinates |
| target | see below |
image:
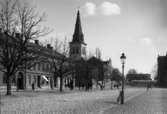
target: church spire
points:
(78, 34)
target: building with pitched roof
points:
(85, 70)
(39, 71)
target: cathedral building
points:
(42, 71)
(85, 70)
(78, 54)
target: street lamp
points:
(123, 58)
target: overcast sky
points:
(136, 27)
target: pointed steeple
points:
(78, 34)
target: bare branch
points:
(29, 22)
(16, 51)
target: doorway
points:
(20, 81)
(39, 81)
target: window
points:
(47, 67)
(83, 51)
(43, 67)
(29, 79)
(36, 66)
(29, 66)
(77, 50)
(39, 66)
(73, 51)
(33, 68)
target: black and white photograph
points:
(83, 56)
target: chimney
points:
(17, 35)
(49, 46)
(37, 42)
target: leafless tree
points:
(61, 63)
(17, 17)
(132, 71)
(29, 22)
(7, 15)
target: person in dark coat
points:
(33, 85)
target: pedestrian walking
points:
(33, 86)
(148, 86)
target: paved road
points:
(51, 102)
(138, 101)
(152, 102)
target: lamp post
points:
(123, 58)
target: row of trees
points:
(17, 17)
(116, 75)
(61, 65)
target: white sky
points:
(136, 27)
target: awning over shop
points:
(45, 78)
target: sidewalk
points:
(152, 102)
(44, 88)
(3, 88)
(47, 88)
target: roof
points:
(78, 36)
(35, 48)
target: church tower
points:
(78, 46)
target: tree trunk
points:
(55, 80)
(51, 83)
(8, 81)
(61, 83)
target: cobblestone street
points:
(152, 102)
(137, 101)
(51, 102)
(83, 56)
